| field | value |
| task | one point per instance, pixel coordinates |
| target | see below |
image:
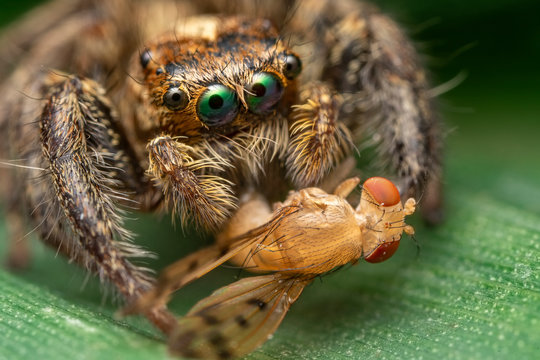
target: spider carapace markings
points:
(110, 106)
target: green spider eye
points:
(218, 105)
(264, 92)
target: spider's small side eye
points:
(292, 67)
(175, 98)
(218, 105)
(264, 92)
(145, 58)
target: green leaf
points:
(472, 291)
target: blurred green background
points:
(473, 292)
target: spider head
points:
(219, 77)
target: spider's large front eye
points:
(218, 105)
(292, 66)
(175, 98)
(264, 92)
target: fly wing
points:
(193, 266)
(236, 319)
(179, 274)
(198, 264)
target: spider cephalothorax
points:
(220, 98)
(221, 82)
(226, 93)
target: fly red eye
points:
(382, 252)
(383, 191)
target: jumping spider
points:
(116, 105)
